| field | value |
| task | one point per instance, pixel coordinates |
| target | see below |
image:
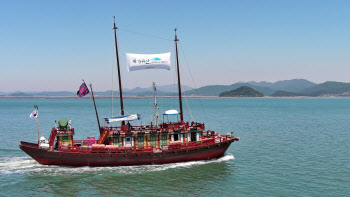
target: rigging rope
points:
(174, 73)
(145, 34)
(184, 93)
(150, 109)
(161, 107)
(195, 86)
(113, 77)
(174, 78)
(188, 107)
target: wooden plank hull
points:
(46, 157)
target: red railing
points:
(123, 150)
(104, 149)
(162, 127)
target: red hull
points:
(46, 157)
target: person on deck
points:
(128, 125)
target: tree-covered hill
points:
(243, 91)
(327, 88)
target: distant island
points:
(285, 88)
(164, 90)
(243, 91)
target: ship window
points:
(193, 136)
(128, 141)
(140, 140)
(164, 139)
(153, 140)
(65, 138)
(116, 140)
(176, 137)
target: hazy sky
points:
(52, 45)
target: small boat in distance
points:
(167, 142)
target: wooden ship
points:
(167, 142)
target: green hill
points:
(293, 85)
(243, 91)
(215, 90)
(327, 88)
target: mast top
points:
(114, 23)
(154, 86)
(176, 36)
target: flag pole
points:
(93, 98)
(37, 124)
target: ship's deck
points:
(101, 148)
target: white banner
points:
(123, 118)
(148, 61)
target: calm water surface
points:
(288, 147)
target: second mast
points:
(119, 78)
(178, 78)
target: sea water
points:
(287, 147)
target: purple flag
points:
(83, 90)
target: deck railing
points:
(122, 150)
(162, 127)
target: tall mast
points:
(178, 78)
(120, 84)
(155, 105)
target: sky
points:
(52, 45)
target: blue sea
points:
(287, 147)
